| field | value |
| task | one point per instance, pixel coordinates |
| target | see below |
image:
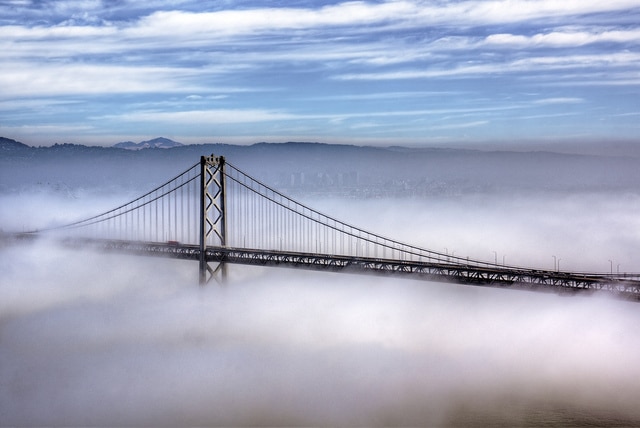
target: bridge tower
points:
(213, 228)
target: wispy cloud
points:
(565, 38)
(559, 101)
(304, 62)
(220, 116)
(460, 125)
(539, 64)
(385, 96)
(83, 79)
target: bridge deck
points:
(490, 275)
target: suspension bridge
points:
(215, 214)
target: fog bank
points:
(93, 339)
(275, 347)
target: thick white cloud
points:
(225, 23)
(397, 13)
(509, 11)
(83, 333)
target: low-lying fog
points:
(92, 339)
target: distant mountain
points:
(128, 145)
(7, 144)
(297, 167)
(156, 143)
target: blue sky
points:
(406, 72)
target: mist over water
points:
(94, 339)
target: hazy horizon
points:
(629, 147)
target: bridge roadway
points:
(627, 287)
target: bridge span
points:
(626, 287)
(216, 214)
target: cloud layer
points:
(246, 71)
(89, 339)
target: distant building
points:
(348, 179)
(297, 179)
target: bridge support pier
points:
(212, 215)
